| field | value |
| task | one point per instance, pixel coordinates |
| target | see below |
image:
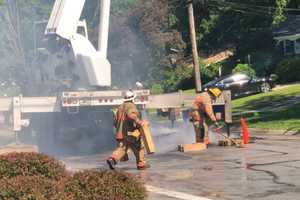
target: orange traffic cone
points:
(245, 131)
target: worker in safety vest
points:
(128, 134)
(201, 110)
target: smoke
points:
(91, 132)
(64, 134)
(128, 53)
(167, 137)
(214, 137)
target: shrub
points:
(288, 70)
(40, 177)
(244, 68)
(208, 73)
(156, 89)
(31, 164)
(30, 187)
(104, 185)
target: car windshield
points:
(213, 82)
(238, 77)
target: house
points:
(287, 36)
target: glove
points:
(216, 124)
(196, 124)
(217, 127)
(139, 123)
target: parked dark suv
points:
(241, 84)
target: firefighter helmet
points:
(216, 92)
(129, 95)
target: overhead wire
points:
(226, 4)
(264, 7)
(268, 10)
(240, 9)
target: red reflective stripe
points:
(119, 136)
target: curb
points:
(267, 131)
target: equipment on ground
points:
(192, 147)
(228, 141)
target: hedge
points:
(31, 188)
(35, 176)
(31, 164)
(288, 70)
(105, 185)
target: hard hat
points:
(216, 92)
(129, 95)
(139, 84)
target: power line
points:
(226, 4)
(240, 9)
(265, 7)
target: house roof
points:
(290, 29)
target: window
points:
(289, 47)
(297, 46)
(227, 80)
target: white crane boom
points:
(64, 21)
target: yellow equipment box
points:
(192, 147)
(148, 140)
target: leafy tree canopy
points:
(149, 40)
(244, 68)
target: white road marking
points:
(174, 194)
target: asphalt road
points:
(265, 170)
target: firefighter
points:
(128, 134)
(201, 111)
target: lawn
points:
(277, 110)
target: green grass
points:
(189, 92)
(268, 116)
(262, 100)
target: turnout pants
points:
(137, 147)
(201, 130)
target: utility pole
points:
(194, 46)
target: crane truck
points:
(73, 105)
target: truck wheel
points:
(265, 87)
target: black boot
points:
(111, 163)
(143, 167)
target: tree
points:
(244, 68)
(279, 14)
(16, 38)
